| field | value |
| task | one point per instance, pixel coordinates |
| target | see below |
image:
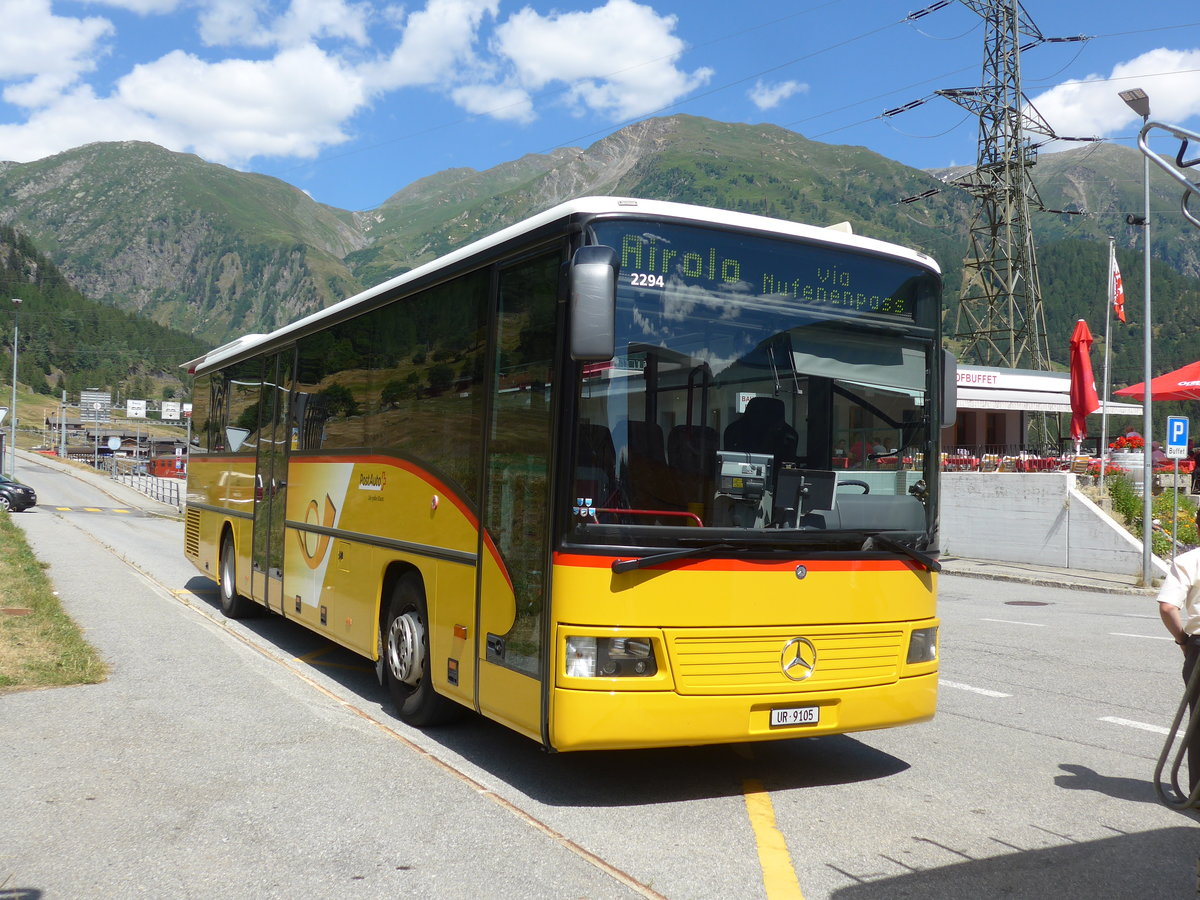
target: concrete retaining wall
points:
(1037, 518)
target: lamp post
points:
(1137, 100)
(16, 301)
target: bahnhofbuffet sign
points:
(1012, 380)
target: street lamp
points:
(16, 301)
(1137, 100)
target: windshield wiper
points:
(911, 552)
(629, 565)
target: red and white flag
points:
(1116, 290)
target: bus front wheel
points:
(233, 604)
(404, 652)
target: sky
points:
(351, 101)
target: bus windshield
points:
(760, 388)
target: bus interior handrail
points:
(1171, 793)
(1190, 186)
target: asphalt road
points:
(251, 759)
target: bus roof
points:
(837, 235)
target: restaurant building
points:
(995, 406)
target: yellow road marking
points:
(91, 509)
(779, 876)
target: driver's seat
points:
(763, 429)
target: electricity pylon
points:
(1001, 321)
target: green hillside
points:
(217, 253)
(70, 342)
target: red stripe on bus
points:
(584, 561)
(429, 479)
(443, 491)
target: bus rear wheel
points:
(404, 654)
(233, 604)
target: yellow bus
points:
(626, 474)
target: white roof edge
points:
(597, 205)
(244, 340)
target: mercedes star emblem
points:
(798, 659)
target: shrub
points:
(1127, 505)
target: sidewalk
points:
(1046, 576)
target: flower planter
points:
(1133, 462)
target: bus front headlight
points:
(610, 657)
(922, 645)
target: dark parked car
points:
(15, 496)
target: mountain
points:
(186, 243)
(218, 253)
(752, 168)
(70, 342)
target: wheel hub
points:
(406, 648)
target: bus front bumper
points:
(612, 720)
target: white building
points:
(994, 406)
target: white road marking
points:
(1153, 637)
(1157, 729)
(1014, 622)
(974, 690)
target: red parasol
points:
(1083, 382)
(1182, 384)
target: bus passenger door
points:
(270, 482)
(513, 577)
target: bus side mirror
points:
(949, 389)
(593, 305)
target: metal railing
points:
(132, 472)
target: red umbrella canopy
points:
(1182, 384)
(1083, 383)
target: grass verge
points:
(40, 646)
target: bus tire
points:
(233, 604)
(404, 646)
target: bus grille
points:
(191, 534)
(743, 662)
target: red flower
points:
(1128, 442)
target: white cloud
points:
(1090, 107)
(141, 7)
(314, 19)
(497, 101)
(768, 96)
(437, 43)
(251, 23)
(617, 59)
(233, 23)
(308, 79)
(230, 111)
(291, 105)
(39, 70)
(76, 118)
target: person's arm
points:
(1174, 622)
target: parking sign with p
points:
(1177, 437)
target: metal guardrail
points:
(132, 473)
(164, 490)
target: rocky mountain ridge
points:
(216, 253)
